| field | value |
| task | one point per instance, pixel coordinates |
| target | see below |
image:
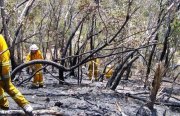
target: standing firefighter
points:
(35, 54)
(93, 69)
(6, 84)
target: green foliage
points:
(176, 26)
(110, 15)
(176, 34)
(83, 4)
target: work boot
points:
(28, 109)
(4, 107)
(33, 87)
(40, 86)
(96, 79)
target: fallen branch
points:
(167, 81)
(172, 97)
(36, 112)
(145, 92)
(46, 62)
(120, 109)
(173, 104)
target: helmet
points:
(109, 66)
(34, 47)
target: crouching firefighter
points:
(6, 84)
(35, 54)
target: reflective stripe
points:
(5, 76)
(16, 96)
(39, 72)
(41, 82)
(5, 63)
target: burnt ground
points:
(93, 99)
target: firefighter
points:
(93, 69)
(109, 71)
(35, 54)
(6, 84)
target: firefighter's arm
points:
(40, 56)
(5, 64)
(28, 57)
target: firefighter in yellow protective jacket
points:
(109, 71)
(93, 69)
(35, 54)
(6, 84)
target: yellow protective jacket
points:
(35, 56)
(5, 62)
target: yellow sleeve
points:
(5, 57)
(1, 46)
(40, 55)
(28, 58)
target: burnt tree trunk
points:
(155, 85)
(119, 76)
(24, 14)
(61, 77)
(128, 71)
(150, 61)
(91, 33)
(117, 69)
(19, 49)
(165, 44)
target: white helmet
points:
(109, 66)
(34, 47)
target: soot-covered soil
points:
(93, 99)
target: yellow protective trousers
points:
(91, 74)
(38, 79)
(7, 86)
